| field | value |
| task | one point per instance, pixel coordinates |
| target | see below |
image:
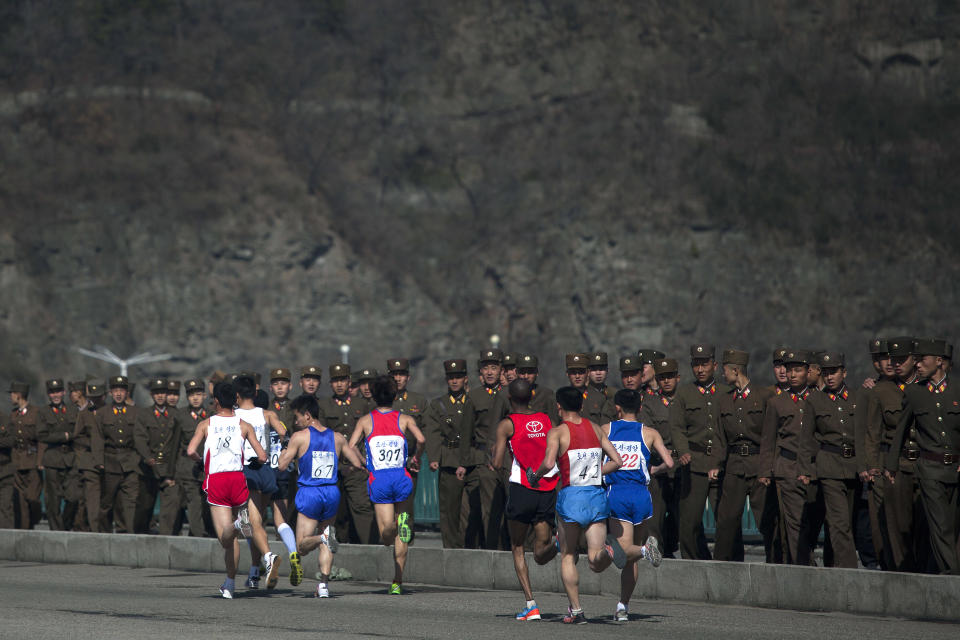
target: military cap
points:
(19, 387)
(77, 385)
(598, 359)
(510, 359)
(666, 365)
(398, 364)
(279, 374)
(158, 384)
(649, 356)
(354, 378)
(193, 385)
(901, 346)
(231, 377)
(54, 384)
(313, 371)
(491, 355)
(94, 390)
(778, 354)
(879, 346)
(735, 356)
(931, 347)
(366, 374)
(337, 370)
(173, 386)
(119, 381)
(217, 376)
(456, 365)
(831, 360)
(527, 361)
(576, 361)
(630, 363)
(702, 351)
(814, 356)
(796, 356)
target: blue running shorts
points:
(630, 502)
(582, 505)
(389, 487)
(319, 503)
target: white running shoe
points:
(329, 538)
(226, 593)
(271, 563)
(653, 551)
(621, 615)
(322, 590)
(242, 523)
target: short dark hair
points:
(570, 398)
(261, 400)
(306, 404)
(225, 395)
(384, 390)
(628, 400)
(246, 387)
(520, 391)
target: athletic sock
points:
(531, 604)
(286, 534)
(621, 606)
(229, 584)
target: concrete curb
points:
(905, 595)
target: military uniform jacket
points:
(24, 425)
(342, 415)
(55, 433)
(88, 440)
(412, 404)
(655, 413)
(741, 420)
(449, 425)
(490, 407)
(6, 448)
(187, 467)
(545, 400)
(598, 404)
(882, 420)
(157, 436)
(934, 412)
(284, 413)
(117, 424)
(783, 424)
(830, 438)
(695, 425)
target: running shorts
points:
(630, 502)
(263, 479)
(318, 503)
(530, 506)
(582, 505)
(226, 489)
(385, 487)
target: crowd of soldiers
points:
(875, 466)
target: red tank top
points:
(529, 446)
(580, 465)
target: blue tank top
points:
(318, 466)
(627, 438)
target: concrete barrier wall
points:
(753, 585)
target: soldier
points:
(157, 438)
(783, 422)
(310, 380)
(932, 409)
(830, 440)
(364, 378)
(598, 402)
(88, 450)
(490, 407)
(576, 365)
(55, 436)
(543, 398)
(77, 390)
(741, 418)
(780, 382)
(631, 373)
(173, 393)
(24, 423)
(648, 375)
(189, 473)
(283, 500)
(700, 443)
(449, 421)
(412, 404)
(121, 462)
(665, 487)
(815, 372)
(355, 520)
(510, 366)
(7, 470)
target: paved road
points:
(91, 602)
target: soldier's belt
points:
(909, 453)
(845, 450)
(674, 453)
(699, 448)
(786, 453)
(743, 449)
(945, 458)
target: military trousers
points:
(695, 487)
(791, 496)
(190, 497)
(119, 497)
(665, 495)
(907, 530)
(355, 520)
(450, 495)
(6, 502)
(878, 532)
(61, 486)
(27, 485)
(481, 514)
(407, 506)
(729, 539)
(90, 481)
(940, 504)
(839, 495)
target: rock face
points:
(247, 184)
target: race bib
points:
(631, 455)
(275, 453)
(322, 465)
(386, 452)
(585, 467)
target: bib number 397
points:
(322, 465)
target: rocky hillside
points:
(248, 184)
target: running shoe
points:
(530, 613)
(394, 589)
(575, 618)
(296, 569)
(403, 527)
(226, 593)
(271, 562)
(329, 538)
(621, 615)
(242, 523)
(616, 552)
(653, 551)
(253, 582)
(322, 590)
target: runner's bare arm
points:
(246, 430)
(554, 440)
(348, 452)
(504, 433)
(656, 444)
(275, 423)
(615, 462)
(407, 423)
(195, 441)
(294, 448)
(360, 430)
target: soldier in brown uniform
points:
(7, 441)
(364, 377)
(189, 472)
(664, 487)
(830, 440)
(60, 480)
(121, 462)
(412, 404)
(24, 424)
(88, 450)
(783, 422)
(310, 380)
(449, 423)
(869, 436)
(510, 361)
(598, 404)
(780, 382)
(355, 519)
(700, 443)
(741, 418)
(284, 510)
(157, 438)
(648, 374)
(173, 393)
(490, 406)
(932, 409)
(631, 373)
(528, 369)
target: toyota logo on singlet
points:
(534, 426)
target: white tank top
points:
(223, 447)
(258, 422)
